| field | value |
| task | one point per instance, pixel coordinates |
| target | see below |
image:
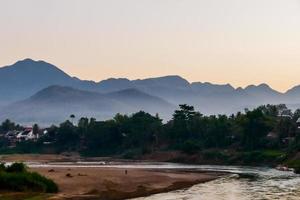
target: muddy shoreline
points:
(118, 183)
(110, 183)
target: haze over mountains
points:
(38, 92)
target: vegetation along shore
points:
(267, 136)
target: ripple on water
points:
(245, 183)
(269, 184)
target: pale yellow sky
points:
(234, 41)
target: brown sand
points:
(114, 183)
(111, 183)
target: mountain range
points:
(39, 92)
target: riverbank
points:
(109, 183)
(114, 184)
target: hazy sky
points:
(222, 41)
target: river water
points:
(245, 183)
(242, 183)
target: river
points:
(242, 183)
(245, 183)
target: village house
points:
(27, 134)
(24, 135)
(298, 123)
(11, 134)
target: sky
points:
(240, 42)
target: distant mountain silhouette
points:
(212, 89)
(56, 103)
(113, 84)
(33, 81)
(138, 99)
(264, 92)
(26, 77)
(293, 95)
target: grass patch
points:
(273, 154)
(16, 178)
(262, 157)
(294, 164)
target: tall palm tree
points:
(72, 116)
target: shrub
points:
(215, 155)
(132, 154)
(190, 147)
(17, 178)
(294, 164)
(263, 157)
(16, 168)
(2, 167)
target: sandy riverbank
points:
(113, 183)
(110, 183)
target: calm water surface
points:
(244, 183)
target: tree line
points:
(265, 127)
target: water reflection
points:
(244, 183)
(248, 184)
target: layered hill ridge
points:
(54, 104)
(26, 77)
(29, 81)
